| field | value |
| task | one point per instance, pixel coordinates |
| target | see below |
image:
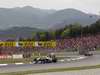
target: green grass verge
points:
(51, 70)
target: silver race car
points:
(51, 58)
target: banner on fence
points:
(17, 56)
(45, 44)
(5, 56)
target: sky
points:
(88, 6)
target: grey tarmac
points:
(93, 60)
(78, 72)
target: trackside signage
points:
(45, 44)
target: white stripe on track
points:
(3, 64)
(19, 63)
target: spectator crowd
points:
(90, 41)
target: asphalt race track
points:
(92, 60)
(81, 72)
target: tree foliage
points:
(73, 30)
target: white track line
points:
(72, 59)
(81, 58)
(3, 64)
(19, 63)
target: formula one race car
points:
(88, 54)
(47, 59)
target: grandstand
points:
(28, 47)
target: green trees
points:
(73, 30)
(65, 33)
